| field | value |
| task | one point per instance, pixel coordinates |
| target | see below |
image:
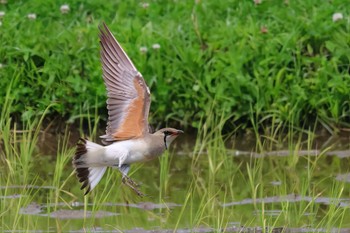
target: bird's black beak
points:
(178, 132)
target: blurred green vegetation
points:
(278, 62)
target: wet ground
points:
(155, 212)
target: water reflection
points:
(39, 210)
(191, 175)
(340, 202)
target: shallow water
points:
(280, 180)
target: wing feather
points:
(128, 95)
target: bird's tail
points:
(87, 163)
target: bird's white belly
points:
(129, 151)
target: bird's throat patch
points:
(166, 146)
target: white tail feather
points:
(89, 163)
(92, 146)
(93, 157)
(96, 173)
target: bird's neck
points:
(155, 144)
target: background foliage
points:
(278, 62)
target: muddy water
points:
(125, 212)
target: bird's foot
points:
(130, 181)
(133, 185)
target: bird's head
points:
(168, 135)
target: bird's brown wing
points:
(128, 95)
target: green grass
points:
(204, 183)
(211, 53)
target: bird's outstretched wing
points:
(128, 95)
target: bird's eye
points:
(166, 133)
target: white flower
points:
(2, 14)
(337, 16)
(196, 87)
(64, 9)
(257, 2)
(143, 49)
(3, 1)
(1, 65)
(31, 16)
(156, 46)
(145, 5)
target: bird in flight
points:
(128, 138)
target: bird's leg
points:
(129, 182)
(124, 169)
